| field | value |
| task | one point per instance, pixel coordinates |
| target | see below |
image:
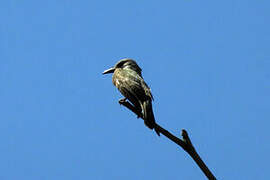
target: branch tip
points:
(186, 143)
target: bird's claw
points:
(121, 101)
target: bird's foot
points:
(122, 101)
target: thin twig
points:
(185, 143)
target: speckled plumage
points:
(128, 79)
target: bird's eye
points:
(120, 64)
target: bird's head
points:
(124, 64)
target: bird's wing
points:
(139, 88)
(130, 86)
(147, 90)
(139, 94)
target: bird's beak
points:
(111, 70)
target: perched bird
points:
(127, 77)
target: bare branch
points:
(185, 143)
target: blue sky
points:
(207, 63)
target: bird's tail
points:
(148, 116)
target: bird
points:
(127, 77)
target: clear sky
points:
(207, 63)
